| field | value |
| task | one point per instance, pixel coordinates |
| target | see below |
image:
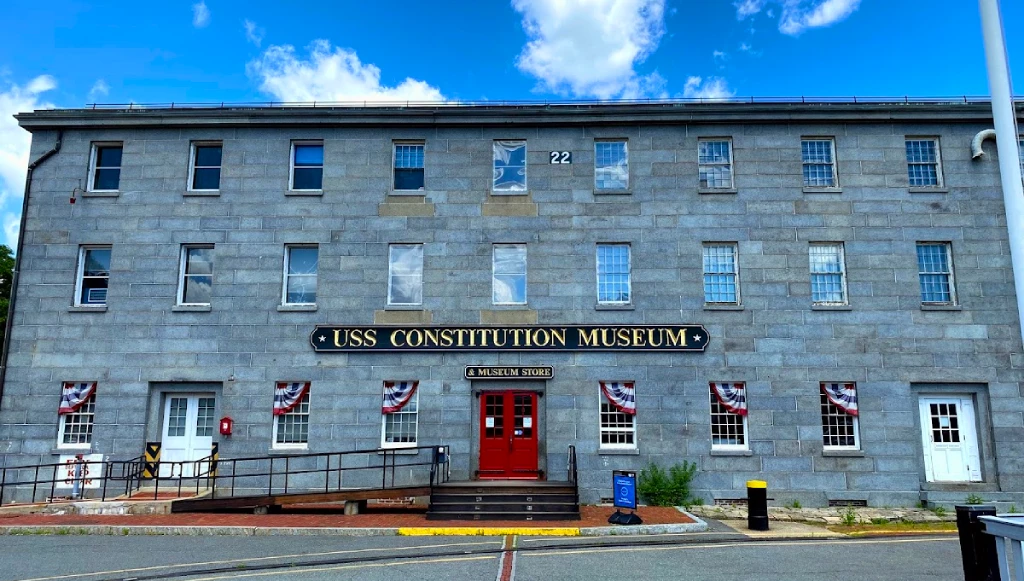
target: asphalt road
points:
(707, 557)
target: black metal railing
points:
(572, 473)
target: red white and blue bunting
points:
(397, 394)
(289, 395)
(73, 395)
(733, 396)
(621, 394)
(842, 395)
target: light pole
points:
(1005, 118)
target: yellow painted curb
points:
(488, 531)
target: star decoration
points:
(322, 338)
(697, 337)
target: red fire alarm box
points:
(225, 426)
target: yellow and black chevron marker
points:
(152, 459)
(214, 457)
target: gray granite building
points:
(817, 295)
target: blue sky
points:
(68, 53)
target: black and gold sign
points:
(369, 339)
(508, 372)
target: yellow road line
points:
(488, 531)
(296, 571)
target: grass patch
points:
(894, 527)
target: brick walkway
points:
(592, 516)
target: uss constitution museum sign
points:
(370, 339)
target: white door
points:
(950, 439)
(188, 434)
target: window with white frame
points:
(714, 164)
(721, 273)
(828, 274)
(728, 424)
(819, 161)
(408, 166)
(405, 274)
(195, 283)
(291, 428)
(935, 272)
(509, 274)
(105, 173)
(307, 161)
(93, 276)
(611, 165)
(205, 170)
(509, 166)
(300, 274)
(839, 427)
(77, 415)
(614, 286)
(924, 164)
(618, 428)
(399, 428)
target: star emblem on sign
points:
(322, 338)
(696, 337)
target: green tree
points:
(6, 273)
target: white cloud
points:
(253, 33)
(590, 48)
(15, 143)
(745, 8)
(711, 89)
(796, 17)
(99, 89)
(200, 14)
(330, 74)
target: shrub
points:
(848, 517)
(658, 488)
(974, 499)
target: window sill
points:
(71, 451)
(842, 453)
(304, 193)
(404, 308)
(717, 191)
(601, 307)
(510, 306)
(288, 451)
(613, 192)
(715, 452)
(937, 190)
(201, 193)
(101, 194)
(810, 190)
(941, 308)
(409, 193)
(506, 193)
(85, 309)
(831, 308)
(296, 308)
(400, 450)
(618, 451)
(190, 309)
(723, 307)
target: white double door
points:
(188, 433)
(950, 439)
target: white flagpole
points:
(1005, 118)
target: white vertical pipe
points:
(1006, 142)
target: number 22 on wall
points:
(559, 157)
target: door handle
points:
(510, 442)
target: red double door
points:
(508, 435)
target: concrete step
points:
(508, 515)
(504, 507)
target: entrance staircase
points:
(516, 500)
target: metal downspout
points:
(17, 261)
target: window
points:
(206, 159)
(839, 426)
(399, 427)
(714, 164)
(196, 282)
(618, 425)
(935, 271)
(828, 274)
(819, 158)
(405, 274)
(611, 165)
(924, 167)
(1020, 154)
(300, 268)
(728, 422)
(307, 165)
(93, 276)
(105, 174)
(509, 280)
(408, 166)
(613, 279)
(291, 427)
(77, 414)
(721, 273)
(509, 166)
